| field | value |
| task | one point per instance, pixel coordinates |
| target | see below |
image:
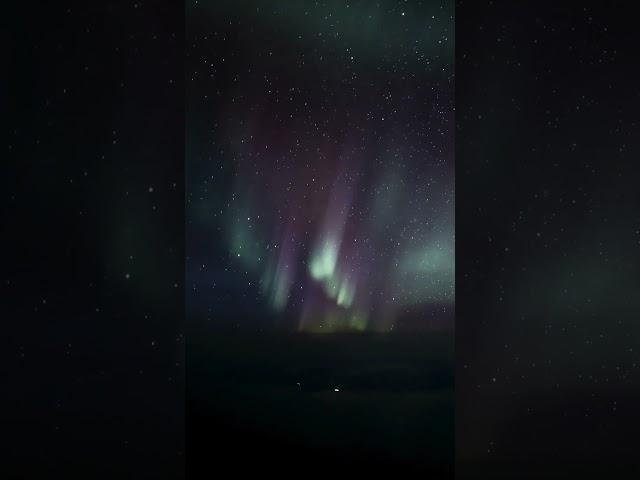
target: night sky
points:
(320, 199)
(316, 194)
(320, 164)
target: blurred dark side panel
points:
(548, 239)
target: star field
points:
(320, 174)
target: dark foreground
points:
(269, 401)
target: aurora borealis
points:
(320, 174)
(229, 244)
